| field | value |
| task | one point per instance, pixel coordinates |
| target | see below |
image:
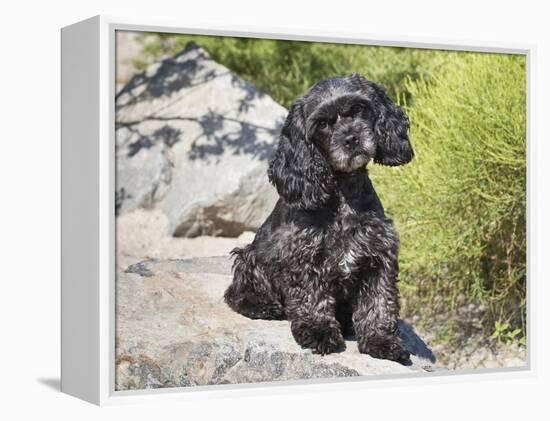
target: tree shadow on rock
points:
(166, 135)
(171, 75)
(218, 133)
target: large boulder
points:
(194, 139)
(173, 329)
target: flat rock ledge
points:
(173, 329)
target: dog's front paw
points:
(322, 338)
(384, 348)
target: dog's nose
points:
(350, 141)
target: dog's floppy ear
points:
(391, 126)
(298, 170)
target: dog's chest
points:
(340, 243)
(358, 240)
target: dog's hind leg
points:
(251, 293)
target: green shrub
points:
(286, 69)
(460, 205)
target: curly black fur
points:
(326, 257)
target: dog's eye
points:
(356, 109)
(323, 124)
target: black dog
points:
(326, 257)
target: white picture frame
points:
(88, 192)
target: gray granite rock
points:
(194, 139)
(173, 329)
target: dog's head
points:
(337, 127)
